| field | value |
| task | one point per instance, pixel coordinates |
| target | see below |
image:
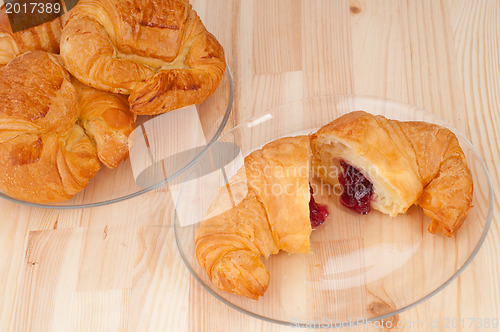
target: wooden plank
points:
(111, 241)
(161, 284)
(48, 280)
(116, 268)
(326, 50)
(277, 36)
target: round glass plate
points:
(362, 268)
(160, 148)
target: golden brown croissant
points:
(392, 165)
(263, 209)
(107, 121)
(51, 138)
(387, 164)
(156, 51)
(43, 37)
(8, 47)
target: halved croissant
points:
(262, 210)
(158, 52)
(402, 163)
(406, 162)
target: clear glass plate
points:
(160, 148)
(362, 268)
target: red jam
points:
(357, 191)
(317, 212)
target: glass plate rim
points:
(376, 318)
(214, 139)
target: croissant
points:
(51, 136)
(107, 121)
(43, 37)
(390, 165)
(158, 52)
(263, 209)
(385, 164)
(8, 48)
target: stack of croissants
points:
(70, 89)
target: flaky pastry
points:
(386, 164)
(406, 163)
(51, 136)
(156, 51)
(9, 49)
(250, 218)
(43, 37)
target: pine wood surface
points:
(116, 267)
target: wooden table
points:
(116, 268)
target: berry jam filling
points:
(317, 212)
(357, 191)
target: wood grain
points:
(116, 268)
(327, 58)
(277, 37)
(48, 276)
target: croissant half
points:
(406, 162)
(262, 210)
(401, 164)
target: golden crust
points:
(43, 37)
(378, 148)
(107, 121)
(407, 162)
(447, 180)
(45, 153)
(247, 220)
(8, 47)
(157, 52)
